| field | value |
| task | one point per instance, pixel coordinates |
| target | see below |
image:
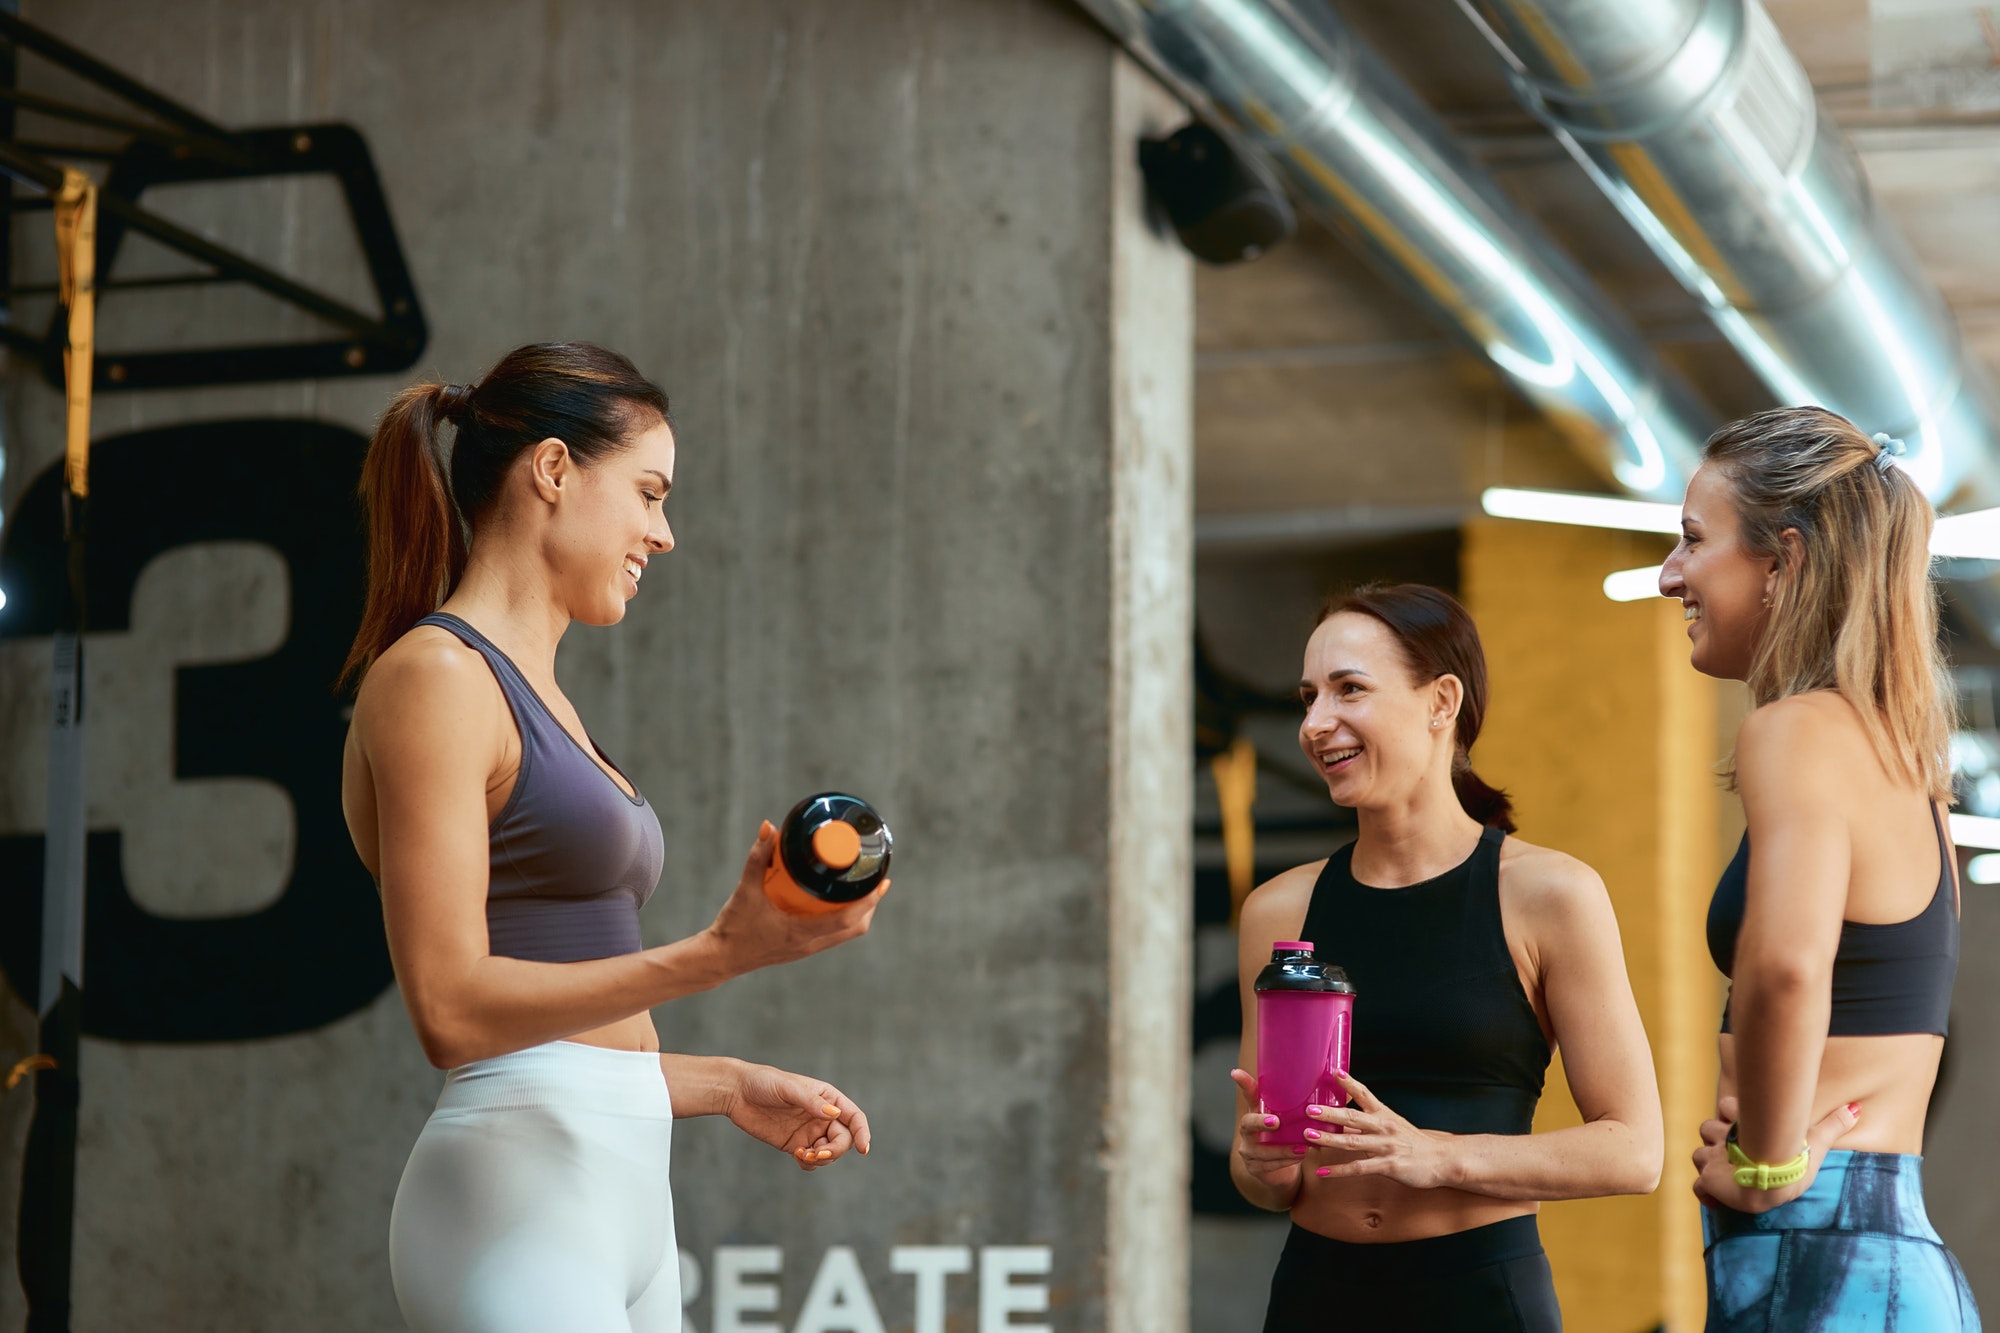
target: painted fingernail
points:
(1298, 1152)
(1315, 1110)
(1313, 1134)
(825, 1153)
(829, 1109)
(1854, 1109)
(1324, 1172)
(1270, 1122)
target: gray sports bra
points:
(572, 858)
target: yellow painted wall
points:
(1606, 739)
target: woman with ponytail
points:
(1473, 956)
(513, 856)
(1803, 569)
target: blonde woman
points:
(1803, 567)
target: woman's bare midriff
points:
(636, 1033)
(1366, 1210)
(1889, 1078)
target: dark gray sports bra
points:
(572, 858)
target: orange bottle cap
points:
(836, 844)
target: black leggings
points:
(1491, 1279)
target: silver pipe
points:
(1699, 124)
(1290, 82)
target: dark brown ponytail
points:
(419, 518)
(1438, 638)
(416, 548)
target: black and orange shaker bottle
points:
(832, 849)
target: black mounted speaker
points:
(1224, 204)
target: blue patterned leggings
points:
(1855, 1253)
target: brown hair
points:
(1438, 639)
(420, 520)
(1857, 614)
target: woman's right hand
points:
(751, 931)
(1276, 1167)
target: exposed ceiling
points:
(1322, 389)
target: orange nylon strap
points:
(23, 1068)
(76, 263)
(1235, 771)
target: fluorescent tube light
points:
(1975, 831)
(1590, 511)
(1973, 536)
(1984, 868)
(1970, 536)
(1632, 585)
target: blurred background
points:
(1039, 367)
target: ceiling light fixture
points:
(1632, 585)
(1590, 511)
(1975, 831)
(1968, 536)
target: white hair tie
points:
(1891, 450)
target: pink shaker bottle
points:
(1305, 1031)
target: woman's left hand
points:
(810, 1119)
(1375, 1141)
(1715, 1177)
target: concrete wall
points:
(1958, 1139)
(930, 373)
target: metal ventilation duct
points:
(1701, 126)
(1359, 150)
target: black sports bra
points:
(1888, 978)
(1443, 1031)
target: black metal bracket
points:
(184, 148)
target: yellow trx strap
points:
(76, 260)
(1235, 771)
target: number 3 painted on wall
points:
(316, 954)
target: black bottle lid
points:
(1293, 967)
(841, 868)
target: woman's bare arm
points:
(1620, 1146)
(1789, 771)
(1618, 1149)
(429, 734)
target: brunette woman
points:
(1804, 569)
(513, 857)
(1474, 956)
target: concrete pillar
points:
(1604, 736)
(1957, 1138)
(931, 373)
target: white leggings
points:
(536, 1199)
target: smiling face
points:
(1721, 583)
(610, 519)
(1372, 731)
